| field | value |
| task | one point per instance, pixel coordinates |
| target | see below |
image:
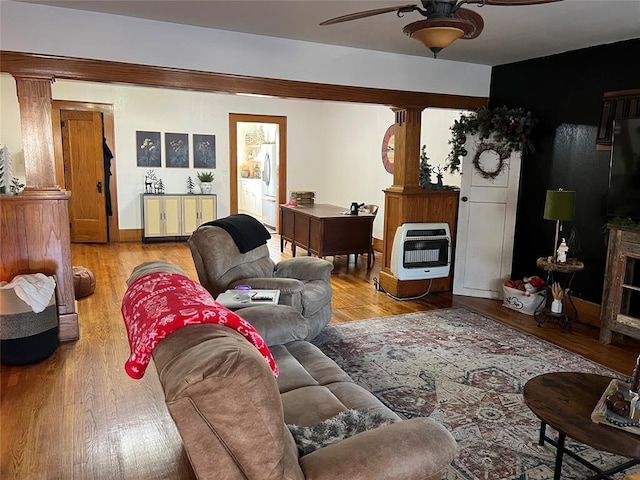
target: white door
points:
(486, 221)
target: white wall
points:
(44, 29)
(334, 149)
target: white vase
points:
(206, 187)
(556, 306)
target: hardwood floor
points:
(77, 415)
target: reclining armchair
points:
(221, 264)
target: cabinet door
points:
(208, 208)
(256, 198)
(172, 217)
(190, 214)
(152, 217)
(243, 201)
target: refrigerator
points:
(269, 157)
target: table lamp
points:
(559, 206)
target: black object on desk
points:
(562, 273)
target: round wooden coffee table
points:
(565, 401)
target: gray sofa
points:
(232, 413)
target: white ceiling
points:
(511, 33)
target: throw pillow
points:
(342, 426)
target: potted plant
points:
(206, 179)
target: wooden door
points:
(82, 141)
(486, 223)
(280, 174)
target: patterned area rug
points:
(467, 372)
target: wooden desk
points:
(323, 230)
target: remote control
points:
(261, 298)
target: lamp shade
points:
(437, 37)
(560, 205)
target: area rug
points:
(467, 372)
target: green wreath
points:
(503, 155)
(508, 127)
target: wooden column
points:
(406, 173)
(34, 97)
(35, 223)
(405, 201)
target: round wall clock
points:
(388, 144)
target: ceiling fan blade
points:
(474, 19)
(511, 2)
(370, 13)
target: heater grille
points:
(426, 253)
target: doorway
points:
(79, 133)
(257, 166)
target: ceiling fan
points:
(445, 22)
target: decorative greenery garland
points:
(508, 128)
(503, 155)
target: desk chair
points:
(373, 210)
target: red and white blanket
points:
(157, 304)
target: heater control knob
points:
(464, 199)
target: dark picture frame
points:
(204, 151)
(176, 150)
(148, 149)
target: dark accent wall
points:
(565, 93)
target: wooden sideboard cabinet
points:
(175, 216)
(621, 296)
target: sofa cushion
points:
(309, 377)
(305, 365)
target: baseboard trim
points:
(131, 235)
(378, 245)
(588, 312)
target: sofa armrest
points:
(416, 449)
(304, 268)
(276, 324)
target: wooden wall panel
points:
(35, 238)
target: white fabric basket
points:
(521, 302)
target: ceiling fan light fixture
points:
(437, 34)
(437, 37)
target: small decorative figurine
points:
(562, 252)
(190, 185)
(149, 181)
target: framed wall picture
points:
(204, 151)
(148, 149)
(176, 150)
